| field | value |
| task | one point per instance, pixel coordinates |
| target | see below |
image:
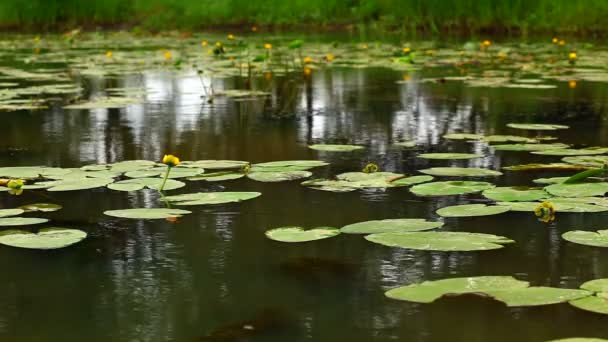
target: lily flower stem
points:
(162, 186)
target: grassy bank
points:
(574, 16)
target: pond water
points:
(214, 276)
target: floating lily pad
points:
(147, 213)
(405, 144)
(143, 173)
(42, 207)
(529, 147)
(589, 161)
(335, 148)
(449, 155)
(47, 238)
(467, 210)
(300, 164)
(578, 190)
(132, 165)
(429, 291)
(463, 136)
(537, 295)
(176, 172)
(450, 188)
(278, 176)
(21, 221)
(596, 285)
(216, 164)
(79, 184)
(580, 339)
(29, 172)
(202, 198)
(581, 237)
(572, 152)
(218, 176)
(546, 167)
(440, 241)
(351, 181)
(390, 226)
(515, 193)
(536, 127)
(407, 181)
(597, 303)
(551, 180)
(298, 234)
(460, 171)
(507, 138)
(106, 102)
(11, 212)
(141, 183)
(520, 206)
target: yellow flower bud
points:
(170, 160)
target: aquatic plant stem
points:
(162, 186)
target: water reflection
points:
(159, 281)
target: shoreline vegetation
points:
(451, 17)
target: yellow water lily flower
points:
(572, 56)
(254, 28)
(406, 50)
(267, 46)
(486, 43)
(204, 43)
(109, 54)
(562, 42)
(370, 168)
(167, 54)
(307, 60)
(307, 72)
(231, 37)
(15, 184)
(572, 84)
(329, 57)
(545, 212)
(555, 40)
(170, 160)
(218, 44)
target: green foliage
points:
(431, 15)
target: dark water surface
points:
(214, 276)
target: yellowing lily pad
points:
(390, 225)
(298, 234)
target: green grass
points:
(429, 15)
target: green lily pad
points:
(597, 303)
(202, 198)
(463, 136)
(11, 212)
(300, 164)
(450, 188)
(176, 172)
(106, 102)
(21, 221)
(47, 238)
(551, 180)
(132, 165)
(335, 148)
(529, 147)
(572, 152)
(42, 207)
(440, 241)
(215, 164)
(390, 226)
(460, 171)
(299, 234)
(520, 206)
(546, 167)
(278, 176)
(147, 213)
(468, 210)
(429, 291)
(536, 127)
(581, 237)
(537, 295)
(218, 176)
(351, 181)
(578, 190)
(79, 184)
(407, 181)
(29, 172)
(589, 161)
(596, 285)
(449, 155)
(507, 138)
(580, 339)
(141, 183)
(514, 193)
(143, 173)
(405, 144)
